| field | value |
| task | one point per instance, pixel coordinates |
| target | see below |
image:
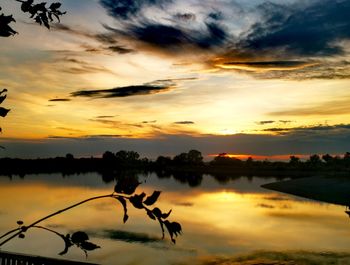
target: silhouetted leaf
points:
(3, 91)
(173, 228)
(26, 6)
(20, 222)
(126, 185)
(123, 202)
(55, 6)
(38, 20)
(3, 112)
(2, 98)
(152, 199)
(67, 244)
(150, 214)
(88, 246)
(137, 199)
(79, 237)
(22, 236)
(157, 212)
(166, 215)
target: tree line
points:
(192, 161)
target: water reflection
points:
(235, 213)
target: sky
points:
(261, 78)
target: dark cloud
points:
(308, 130)
(306, 31)
(155, 87)
(269, 64)
(130, 237)
(104, 117)
(117, 124)
(173, 37)
(215, 15)
(88, 137)
(284, 121)
(118, 92)
(68, 129)
(264, 205)
(265, 122)
(148, 122)
(75, 66)
(126, 9)
(185, 16)
(59, 100)
(272, 121)
(120, 49)
(108, 40)
(184, 122)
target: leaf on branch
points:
(123, 202)
(67, 244)
(152, 199)
(174, 229)
(79, 237)
(86, 245)
(150, 214)
(2, 98)
(126, 185)
(20, 222)
(3, 112)
(26, 5)
(3, 91)
(166, 215)
(157, 212)
(137, 199)
(22, 236)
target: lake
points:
(220, 216)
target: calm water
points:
(218, 218)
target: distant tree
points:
(224, 159)
(69, 157)
(294, 160)
(314, 161)
(163, 161)
(346, 159)
(108, 156)
(181, 159)
(327, 158)
(194, 157)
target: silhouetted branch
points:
(124, 191)
(39, 12)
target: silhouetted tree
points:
(195, 157)
(224, 160)
(69, 157)
(314, 161)
(294, 161)
(181, 159)
(108, 156)
(163, 161)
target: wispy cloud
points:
(334, 107)
(59, 100)
(265, 122)
(310, 130)
(184, 122)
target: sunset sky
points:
(265, 78)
